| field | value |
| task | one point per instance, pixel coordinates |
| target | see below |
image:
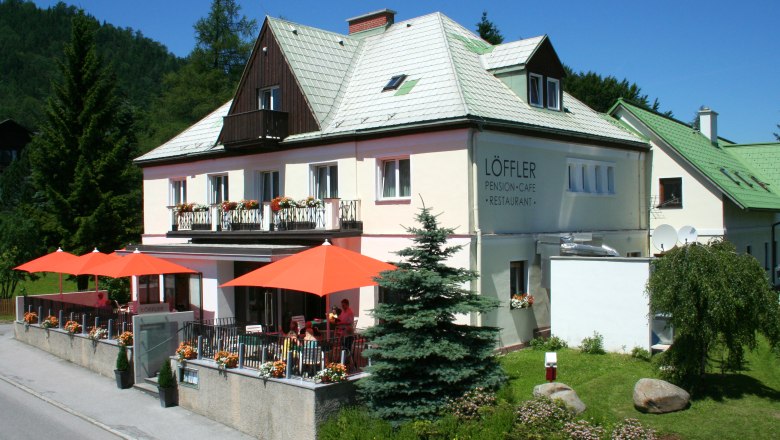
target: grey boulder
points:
(562, 392)
(659, 397)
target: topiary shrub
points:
(121, 359)
(593, 345)
(165, 378)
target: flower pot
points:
(124, 379)
(167, 396)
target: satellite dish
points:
(664, 237)
(687, 234)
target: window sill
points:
(670, 207)
(404, 201)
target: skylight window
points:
(760, 183)
(728, 174)
(743, 179)
(394, 82)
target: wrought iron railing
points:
(242, 220)
(296, 219)
(308, 356)
(192, 220)
(349, 214)
(87, 316)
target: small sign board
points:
(153, 308)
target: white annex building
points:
(374, 124)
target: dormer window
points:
(553, 94)
(535, 90)
(394, 82)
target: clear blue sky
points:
(687, 53)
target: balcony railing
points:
(335, 214)
(264, 127)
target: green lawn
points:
(733, 406)
(47, 283)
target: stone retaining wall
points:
(268, 409)
(99, 357)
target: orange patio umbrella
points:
(83, 264)
(137, 264)
(320, 270)
(52, 262)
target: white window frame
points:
(177, 191)
(397, 186)
(274, 95)
(315, 183)
(260, 184)
(224, 188)
(518, 274)
(539, 89)
(556, 105)
(590, 177)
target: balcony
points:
(254, 128)
(333, 215)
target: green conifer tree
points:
(89, 192)
(421, 356)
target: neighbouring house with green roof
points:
(698, 179)
(376, 123)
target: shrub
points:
(593, 345)
(544, 413)
(640, 353)
(631, 429)
(121, 359)
(125, 339)
(583, 430)
(165, 378)
(553, 343)
(470, 405)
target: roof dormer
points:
(531, 69)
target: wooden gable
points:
(545, 61)
(267, 67)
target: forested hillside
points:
(32, 40)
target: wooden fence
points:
(7, 306)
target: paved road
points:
(23, 415)
(95, 399)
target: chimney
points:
(372, 20)
(708, 124)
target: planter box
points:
(99, 356)
(269, 409)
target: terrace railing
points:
(105, 317)
(308, 357)
(334, 214)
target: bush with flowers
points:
(272, 369)
(184, 207)
(226, 359)
(72, 327)
(310, 202)
(468, 406)
(283, 202)
(50, 322)
(186, 351)
(333, 372)
(521, 301)
(97, 333)
(30, 318)
(632, 429)
(125, 339)
(227, 205)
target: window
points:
(326, 181)
(394, 82)
(269, 99)
(149, 289)
(218, 191)
(268, 186)
(553, 94)
(535, 90)
(396, 179)
(517, 278)
(766, 255)
(177, 192)
(670, 191)
(590, 177)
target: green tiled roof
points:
(727, 165)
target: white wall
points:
(606, 295)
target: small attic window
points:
(394, 82)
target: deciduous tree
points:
(421, 356)
(718, 301)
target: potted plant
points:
(166, 385)
(124, 376)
